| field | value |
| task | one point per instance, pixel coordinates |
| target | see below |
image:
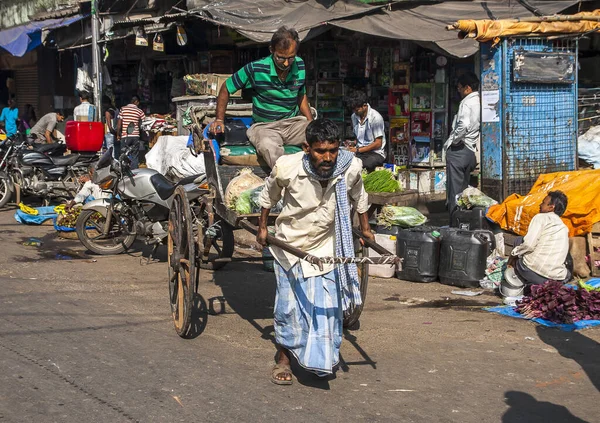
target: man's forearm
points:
(375, 145)
(305, 108)
(222, 101)
(264, 217)
(364, 222)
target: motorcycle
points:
(139, 204)
(40, 169)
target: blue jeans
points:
(133, 143)
(109, 141)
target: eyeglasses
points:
(280, 59)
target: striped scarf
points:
(344, 244)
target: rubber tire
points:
(96, 249)
(351, 320)
(5, 198)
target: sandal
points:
(280, 370)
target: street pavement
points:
(87, 338)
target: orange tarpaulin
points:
(582, 189)
(487, 30)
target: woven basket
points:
(196, 84)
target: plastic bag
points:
(249, 202)
(405, 217)
(244, 181)
(472, 197)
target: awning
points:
(421, 21)
(427, 23)
(259, 19)
(23, 38)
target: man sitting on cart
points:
(280, 108)
(317, 187)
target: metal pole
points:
(96, 59)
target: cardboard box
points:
(214, 82)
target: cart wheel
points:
(182, 262)
(352, 315)
(222, 244)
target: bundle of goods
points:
(560, 303)
(405, 217)
(196, 84)
(381, 181)
(244, 181)
(472, 197)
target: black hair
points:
(322, 130)
(469, 79)
(135, 98)
(356, 99)
(84, 95)
(283, 38)
(60, 112)
(559, 200)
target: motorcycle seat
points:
(68, 160)
(50, 149)
(165, 188)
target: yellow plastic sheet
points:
(582, 189)
(487, 30)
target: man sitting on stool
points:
(542, 253)
(369, 130)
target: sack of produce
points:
(472, 197)
(244, 181)
(248, 202)
(405, 217)
(381, 181)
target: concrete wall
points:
(17, 12)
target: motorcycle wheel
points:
(5, 192)
(89, 227)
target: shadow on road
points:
(524, 408)
(199, 317)
(578, 347)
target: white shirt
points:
(307, 220)
(367, 132)
(545, 246)
(466, 123)
(85, 112)
(90, 189)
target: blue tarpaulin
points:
(23, 38)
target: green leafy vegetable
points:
(381, 181)
(406, 217)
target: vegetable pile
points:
(561, 303)
(249, 202)
(405, 217)
(472, 197)
(381, 181)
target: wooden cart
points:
(201, 238)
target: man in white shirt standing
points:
(85, 112)
(317, 187)
(369, 130)
(541, 254)
(462, 146)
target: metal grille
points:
(540, 121)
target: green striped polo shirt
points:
(272, 99)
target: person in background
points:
(369, 130)
(541, 254)
(462, 146)
(89, 191)
(85, 112)
(43, 130)
(110, 127)
(128, 129)
(28, 117)
(280, 108)
(10, 116)
(317, 187)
